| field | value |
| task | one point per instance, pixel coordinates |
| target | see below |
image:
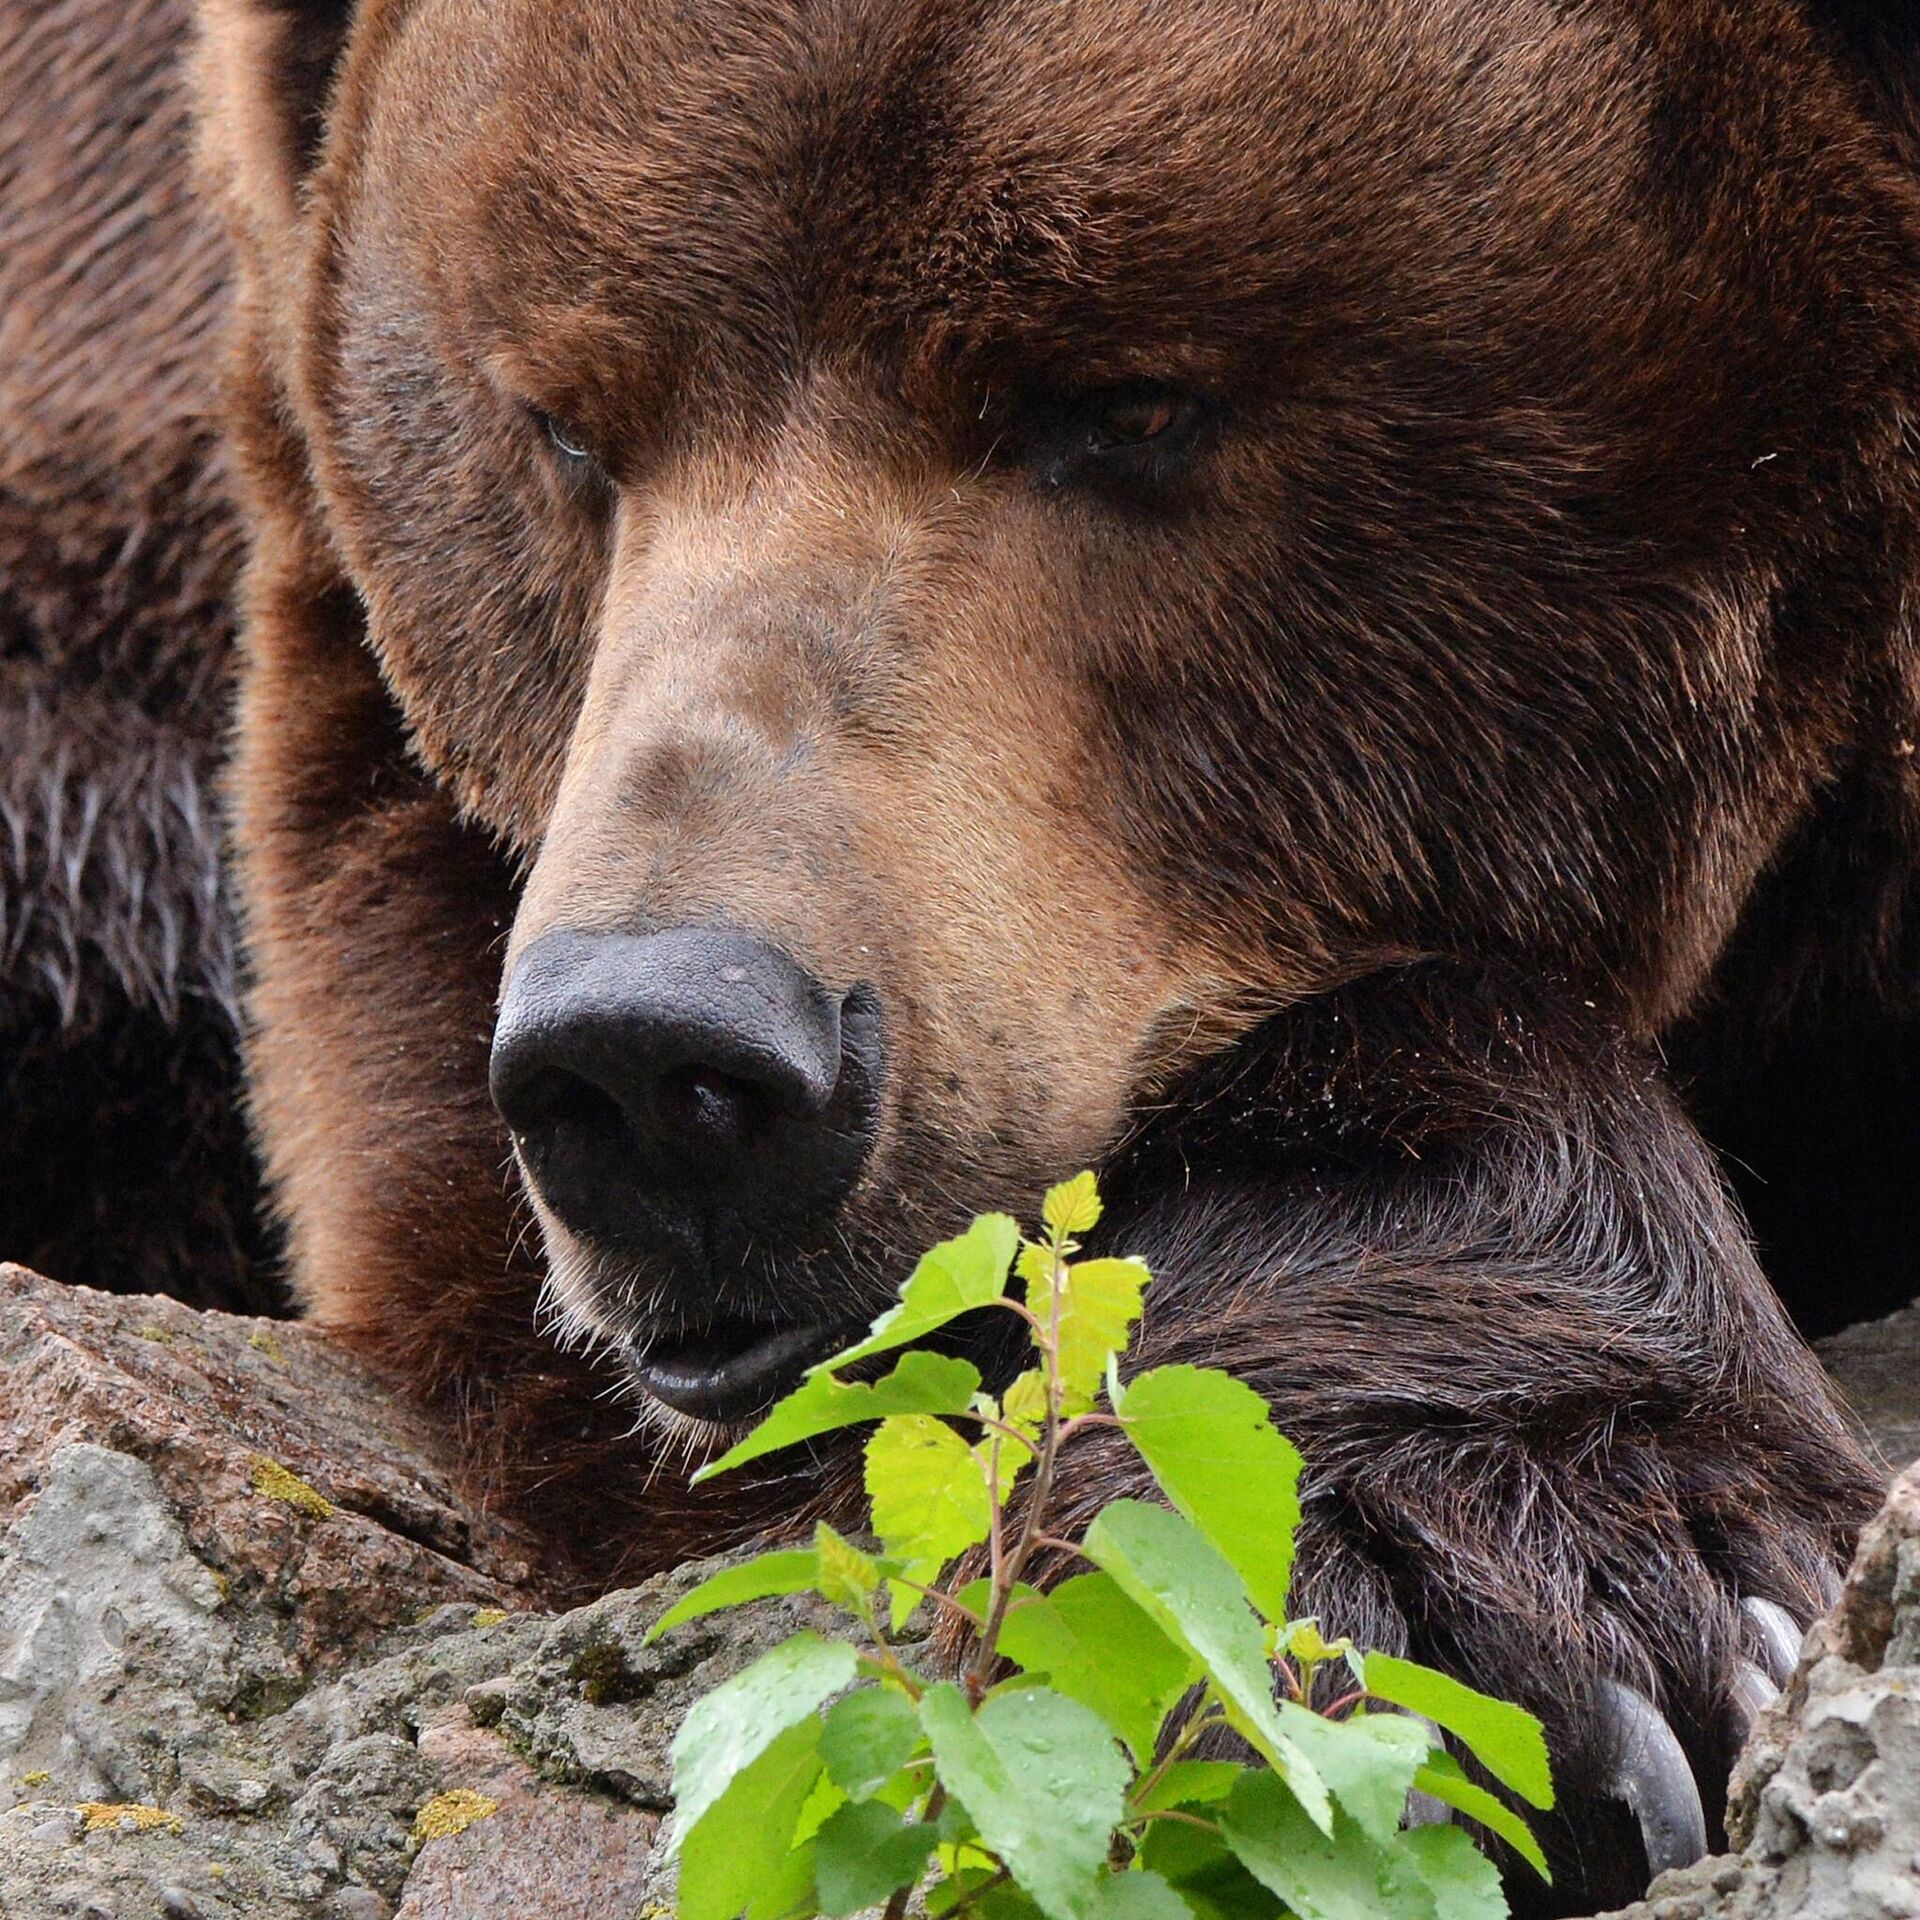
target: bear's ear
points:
(1880, 41)
(266, 73)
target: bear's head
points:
(971, 552)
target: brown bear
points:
(855, 605)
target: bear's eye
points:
(565, 439)
(1131, 418)
(1138, 438)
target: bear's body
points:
(125, 1157)
(1282, 599)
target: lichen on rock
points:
(271, 1481)
(107, 1816)
(452, 1812)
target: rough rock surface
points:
(297, 1476)
(401, 1787)
(1877, 1367)
(259, 1660)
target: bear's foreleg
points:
(1561, 1439)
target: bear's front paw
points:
(1647, 1641)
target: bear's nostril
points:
(694, 1092)
(567, 1101)
(710, 1108)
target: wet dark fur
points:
(125, 1156)
(1449, 1215)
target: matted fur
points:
(124, 1150)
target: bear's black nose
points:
(688, 1092)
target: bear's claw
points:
(1753, 1693)
(1773, 1638)
(1647, 1769)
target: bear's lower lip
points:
(731, 1370)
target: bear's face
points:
(1075, 526)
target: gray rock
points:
(571, 1708)
(146, 1797)
(353, 1821)
(1876, 1366)
(110, 1629)
(524, 1857)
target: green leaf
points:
(959, 1835)
(1368, 1762)
(921, 1383)
(1025, 1403)
(1442, 1778)
(846, 1576)
(1306, 1642)
(868, 1736)
(930, 1499)
(1171, 1570)
(954, 1278)
(1044, 1783)
(1506, 1740)
(1464, 1883)
(863, 1854)
(1210, 1441)
(737, 1857)
(787, 1893)
(822, 1804)
(792, 1570)
(1072, 1207)
(1198, 1864)
(1098, 1647)
(1339, 1877)
(1139, 1896)
(728, 1729)
(1190, 1783)
(942, 1899)
(991, 1901)
(1099, 1302)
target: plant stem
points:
(1178, 1814)
(941, 1598)
(1001, 1427)
(1080, 1420)
(1058, 1542)
(1183, 1743)
(930, 1816)
(1007, 1566)
(884, 1665)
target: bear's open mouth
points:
(729, 1369)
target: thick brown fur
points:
(124, 1159)
(1326, 829)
